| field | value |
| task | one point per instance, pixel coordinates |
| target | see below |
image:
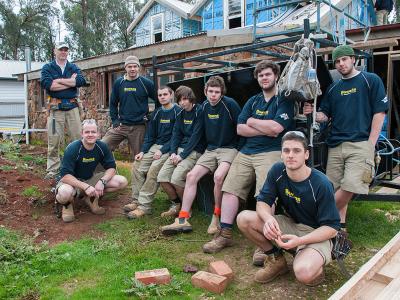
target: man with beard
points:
(310, 221)
(129, 107)
(356, 106)
(262, 122)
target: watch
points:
(103, 181)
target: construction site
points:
(195, 42)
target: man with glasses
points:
(61, 80)
(309, 222)
(262, 122)
(129, 107)
(78, 180)
(356, 106)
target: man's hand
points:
(139, 156)
(99, 187)
(271, 229)
(288, 241)
(250, 121)
(90, 191)
(177, 159)
(74, 75)
(157, 155)
(308, 108)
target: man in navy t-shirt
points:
(356, 106)
(263, 121)
(309, 221)
(81, 158)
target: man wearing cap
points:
(61, 79)
(356, 106)
(129, 107)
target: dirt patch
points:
(35, 217)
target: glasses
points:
(295, 132)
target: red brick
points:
(157, 276)
(209, 281)
(221, 268)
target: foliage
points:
(26, 23)
(32, 192)
(142, 291)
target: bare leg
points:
(229, 208)
(251, 226)
(342, 200)
(179, 191)
(219, 177)
(117, 182)
(169, 190)
(308, 265)
(192, 178)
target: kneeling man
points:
(81, 158)
(310, 221)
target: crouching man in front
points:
(78, 180)
(311, 218)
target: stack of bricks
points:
(156, 276)
(216, 280)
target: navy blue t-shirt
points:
(351, 104)
(188, 132)
(310, 202)
(278, 109)
(129, 100)
(81, 163)
(159, 129)
(220, 123)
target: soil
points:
(35, 216)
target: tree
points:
(26, 23)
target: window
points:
(157, 28)
(42, 103)
(234, 13)
(109, 80)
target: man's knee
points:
(244, 220)
(219, 179)
(121, 181)
(65, 194)
(192, 178)
(306, 270)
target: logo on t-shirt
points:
(187, 122)
(261, 112)
(384, 100)
(284, 116)
(348, 92)
(131, 89)
(88, 160)
(292, 195)
(165, 121)
(213, 117)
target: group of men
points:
(185, 141)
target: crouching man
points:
(81, 158)
(311, 218)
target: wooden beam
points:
(371, 44)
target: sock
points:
(343, 226)
(217, 211)
(272, 251)
(226, 225)
(183, 215)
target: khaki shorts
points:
(176, 174)
(247, 168)
(212, 159)
(91, 181)
(287, 226)
(351, 166)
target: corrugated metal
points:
(10, 67)
(12, 101)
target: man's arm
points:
(266, 127)
(271, 228)
(376, 127)
(247, 131)
(74, 182)
(320, 116)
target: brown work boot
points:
(259, 257)
(173, 211)
(131, 206)
(214, 226)
(180, 225)
(274, 265)
(94, 206)
(221, 240)
(68, 213)
(135, 214)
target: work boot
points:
(180, 225)
(131, 206)
(68, 213)
(94, 206)
(259, 257)
(135, 214)
(274, 266)
(221, 240)
(214, 226)
(173, 210)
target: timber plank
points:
(387, 190)
(391, 291)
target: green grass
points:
(103, 268)
(32, 192)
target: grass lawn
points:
(103, 267)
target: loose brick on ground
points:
(209, 281)
(221, 268)
(157, 276)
